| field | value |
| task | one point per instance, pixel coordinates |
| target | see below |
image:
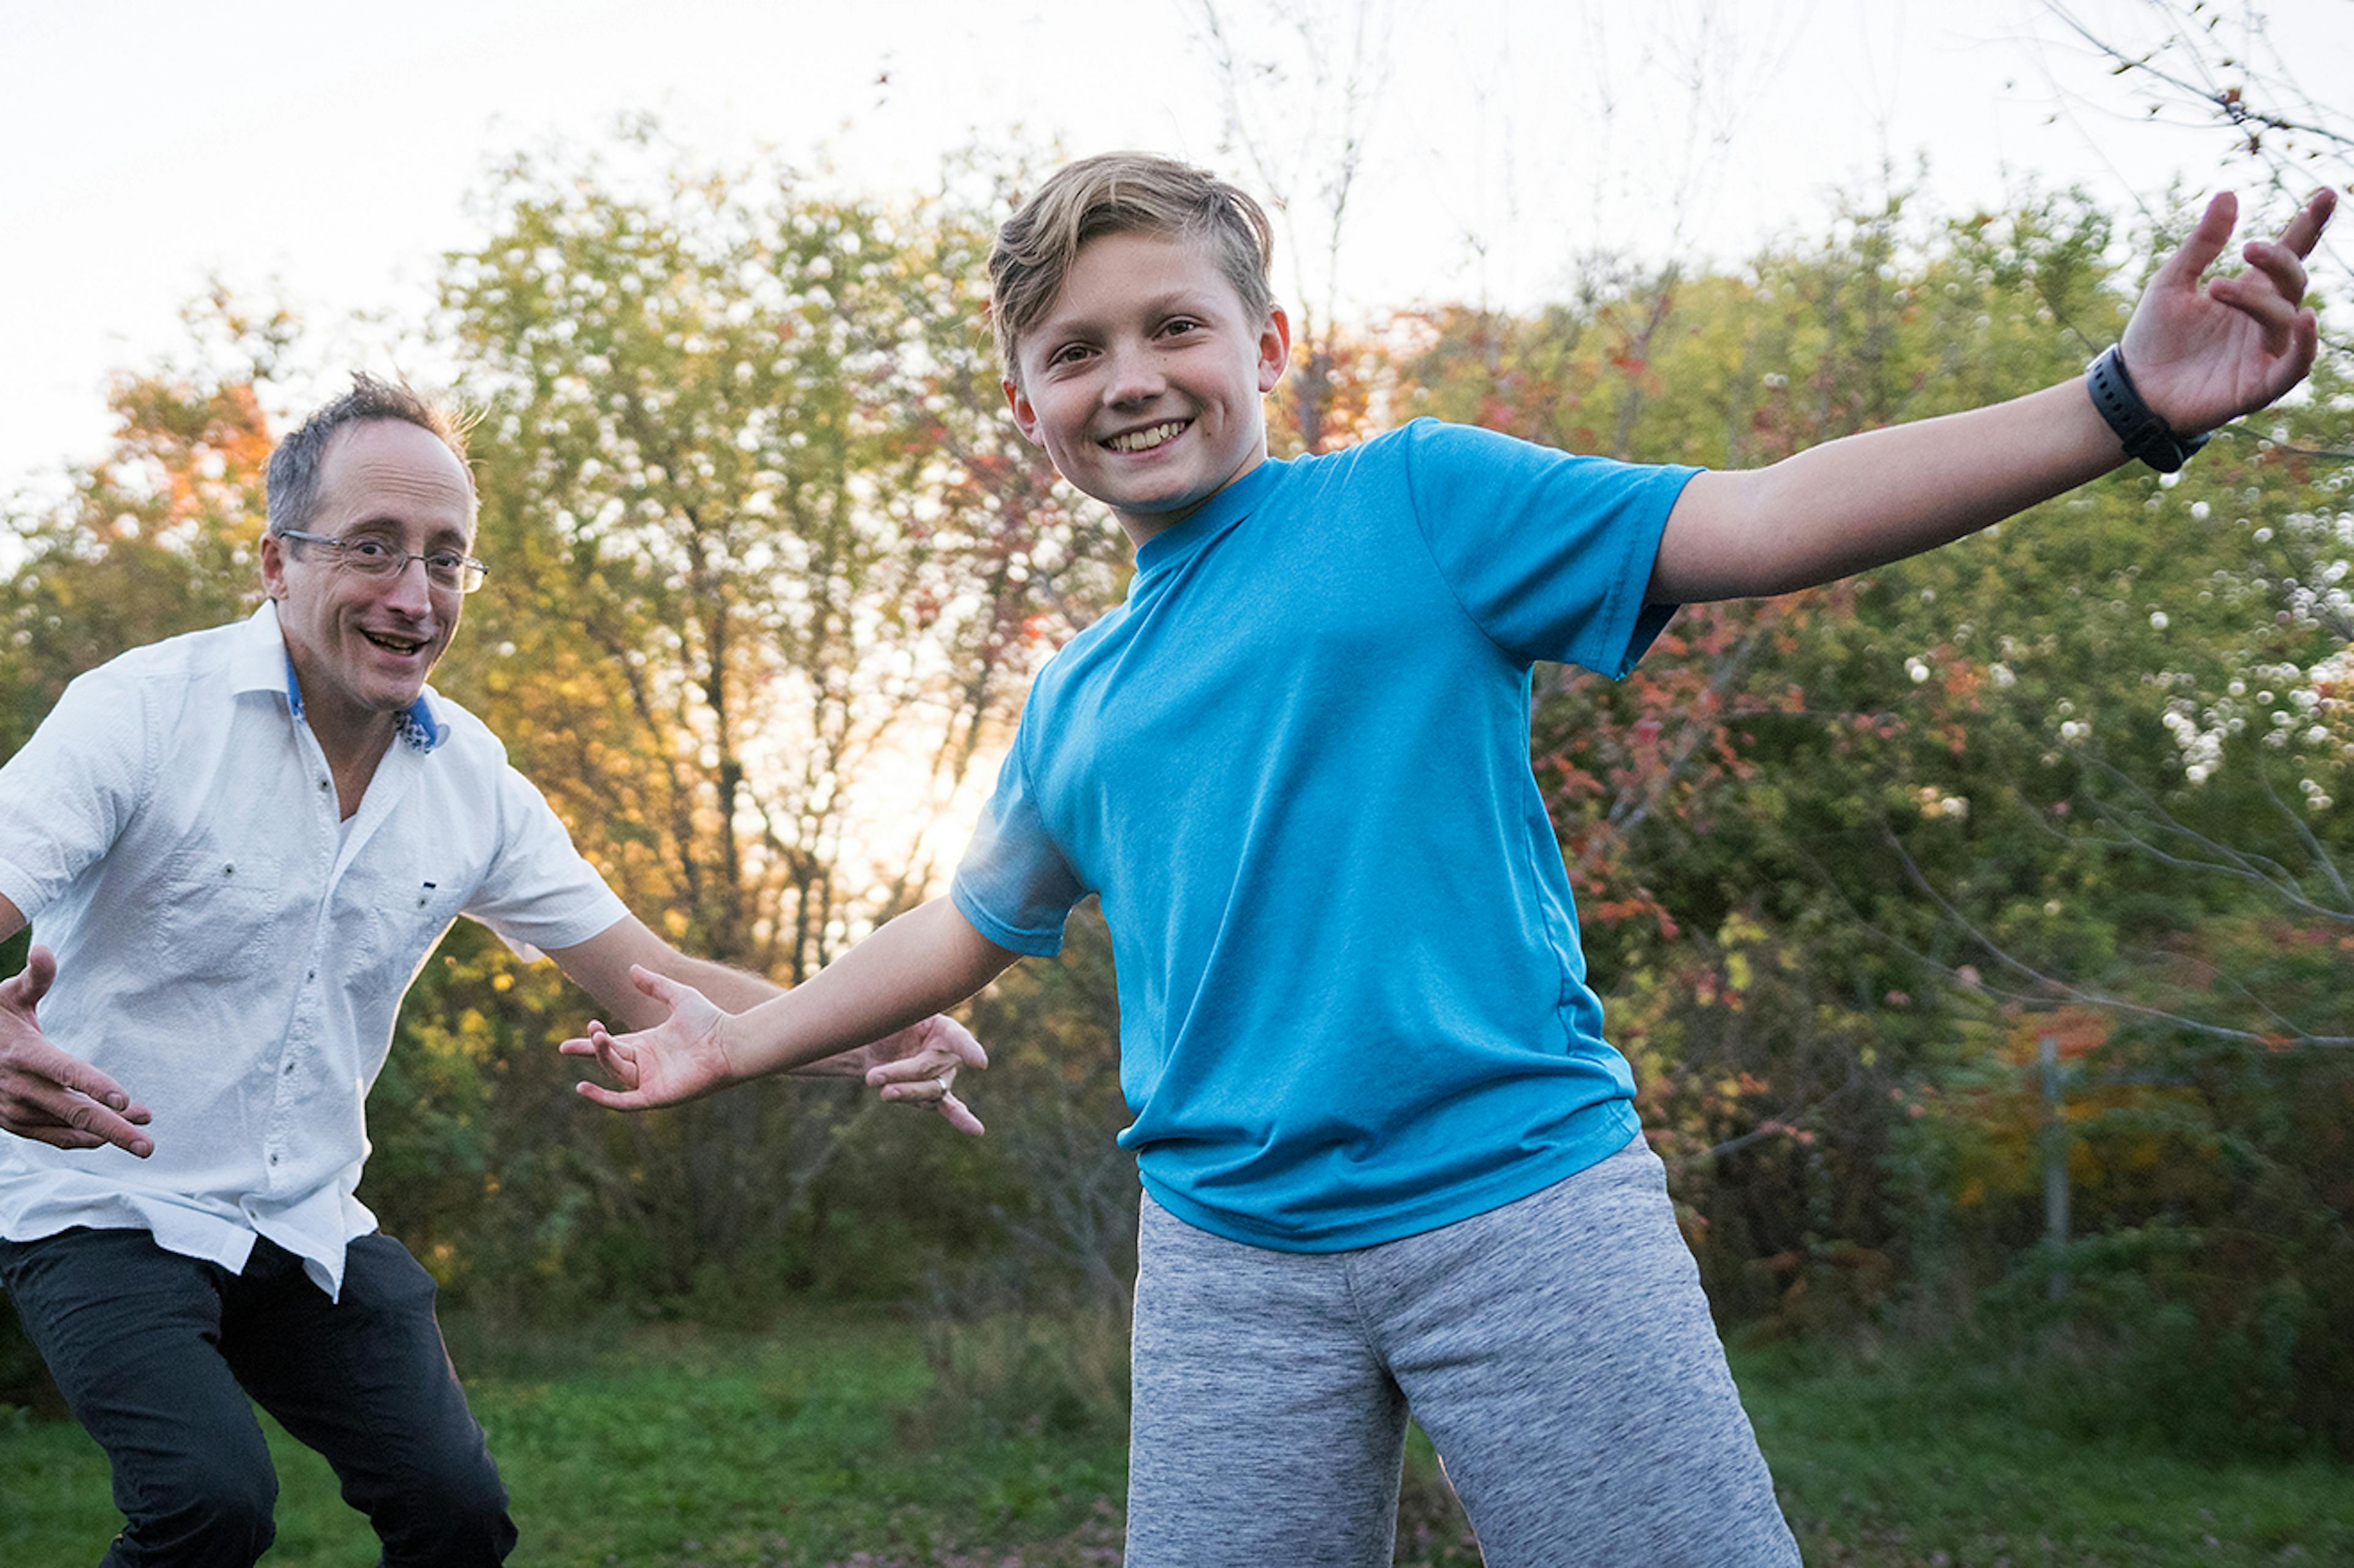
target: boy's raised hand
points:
(2203, 356)
(681, 1058)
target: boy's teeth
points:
(1145, 441)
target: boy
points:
(1388, 1157)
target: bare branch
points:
(2313, 846)
(2226, 103)
(2052, 985)
(2213, 856)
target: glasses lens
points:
(371, 558)
(374, 558)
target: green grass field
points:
(820, 1443)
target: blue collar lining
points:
(418, 728)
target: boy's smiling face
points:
(1144, 380)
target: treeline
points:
(770, 572)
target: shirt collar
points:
(1212, 518)
(261, 663)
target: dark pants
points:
(155, 1354)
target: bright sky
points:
(327, 151)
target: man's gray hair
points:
(295, 467)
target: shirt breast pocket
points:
(219, 912)
(402, 918)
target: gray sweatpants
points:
(1558, 1350)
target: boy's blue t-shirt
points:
(1295, 765)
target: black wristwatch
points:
(2147, 436)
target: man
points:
(242, 844)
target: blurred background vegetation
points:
(1980, 929)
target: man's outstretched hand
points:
(49, 1095)
(919, 1063)
(2201, 356)
(686, 1056)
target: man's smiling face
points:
(363, 646)
(1143, 381)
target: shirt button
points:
(273, 1160)
(310, 974)
(290, 1069)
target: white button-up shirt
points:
(234, 953)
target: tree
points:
(159, 535)
(767, 573)
(2226, 68)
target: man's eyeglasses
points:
(372, 557)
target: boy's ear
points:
(1025, 418)
(1274, 348)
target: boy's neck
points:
(1142, 527)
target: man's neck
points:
(353, 749)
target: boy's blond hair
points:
(1120, 192)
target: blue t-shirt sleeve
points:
(1549, 552)
(1013, 884)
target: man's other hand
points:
(49, 1095)
(919, 1063)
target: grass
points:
(1883, 1466)
(819, 1444)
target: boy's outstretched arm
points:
(910, 969)
(2197, 357)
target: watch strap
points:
(2145, 433)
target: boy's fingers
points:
(2293, 365)
(2280, 263)
(2304, 230)
(2203, 244)
(2261, 304)
(611, 1099)
(2304, 348)
(610, 1059)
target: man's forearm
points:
(1878, 496)
(737, 991)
